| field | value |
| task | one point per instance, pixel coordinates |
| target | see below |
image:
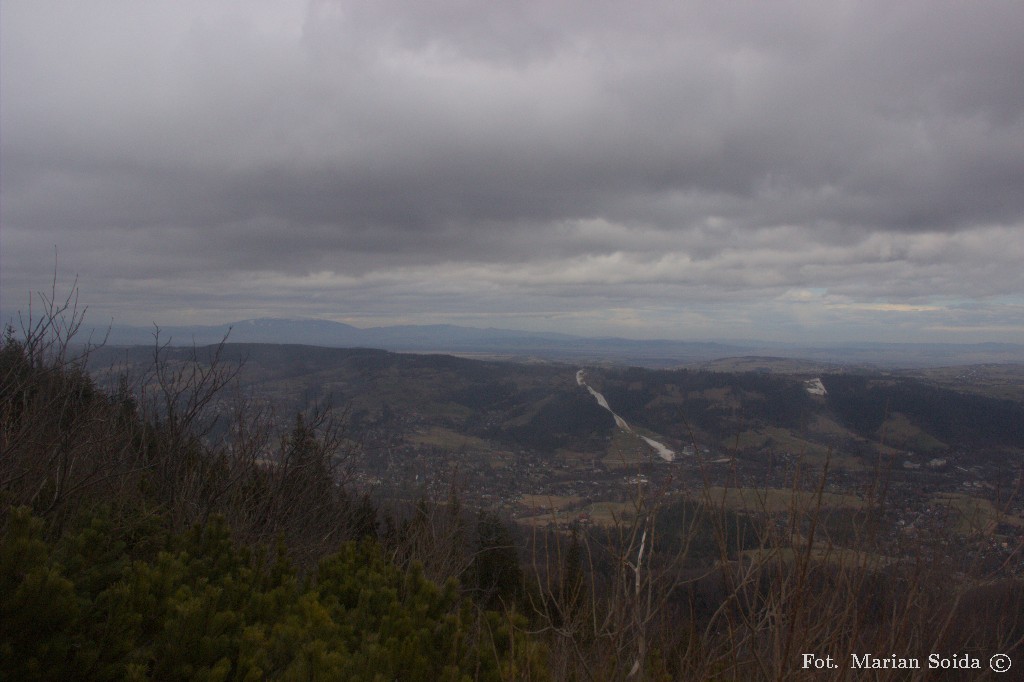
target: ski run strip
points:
(665, 453)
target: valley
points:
(539, 442)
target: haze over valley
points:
(522, 345)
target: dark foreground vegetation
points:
(136, 545)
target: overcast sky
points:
(812, 171)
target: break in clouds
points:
(792, 170)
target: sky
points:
(808, 170)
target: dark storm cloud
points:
(572, 159)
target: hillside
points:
(412, 413)
(489, 513)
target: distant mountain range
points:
(522, 345)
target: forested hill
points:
(539, 405)
(865, 404)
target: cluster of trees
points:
(672, 402)
(568, 418)
(161, 529)
(110, 601)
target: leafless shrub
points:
(149, 441)
(783, 590)
(433, 533)
(59, 435)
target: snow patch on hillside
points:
(815, 387)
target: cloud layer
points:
(790, 170)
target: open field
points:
(974, 515)
(820, 553)
(447, 439)
(605, 514)
(626, 451)
(610, 513)
(897, 429)
(824, 424)
(775, 500)
(778, 439)
(549, 502)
